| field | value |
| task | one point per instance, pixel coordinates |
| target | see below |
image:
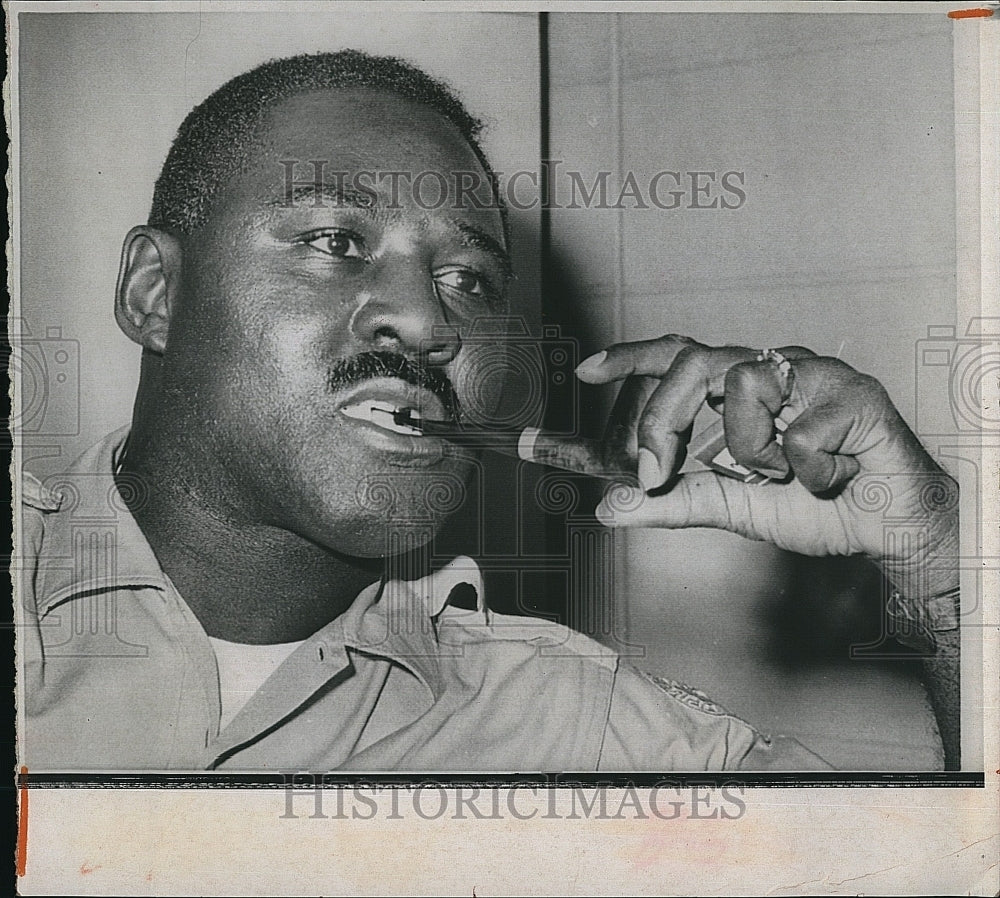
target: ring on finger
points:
(785, 373)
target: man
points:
(290, 328)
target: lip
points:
(396, 392)
(401, 394)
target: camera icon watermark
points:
(45, 372)
(958, 380)
(518, 374)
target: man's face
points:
(286, 294)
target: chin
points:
(373, 540)
(393, 514)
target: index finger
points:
(644, 357)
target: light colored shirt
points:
(243, 669)
(118, 673)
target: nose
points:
(402, 312)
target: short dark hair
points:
(216, 139)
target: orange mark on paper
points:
(22, 824)
(970, 13)
(85, 868)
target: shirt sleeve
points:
(655, 723)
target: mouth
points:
(385, 415)
(392, 406)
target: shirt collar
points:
(428, 597)
(401, 619)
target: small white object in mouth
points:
(381, 415)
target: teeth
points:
(381, 414)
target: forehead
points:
(327, 134)
(364, 126)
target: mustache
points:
(368, 365)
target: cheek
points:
(503, 385)
(479, 381)
(260, 328)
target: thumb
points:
(702, 499)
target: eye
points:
(339, 244)
(462, 280)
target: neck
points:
(245, 581)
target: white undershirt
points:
(243, 669)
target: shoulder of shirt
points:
(35, 494)
(681, 692)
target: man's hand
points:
(842, 426)
(844, 437)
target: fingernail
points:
(592, 363)
(649, 470)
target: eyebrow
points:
(475, 238)
(339, 197)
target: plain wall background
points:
(843, 125)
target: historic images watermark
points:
(307, 797)
(319, 184)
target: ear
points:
(148, 280)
